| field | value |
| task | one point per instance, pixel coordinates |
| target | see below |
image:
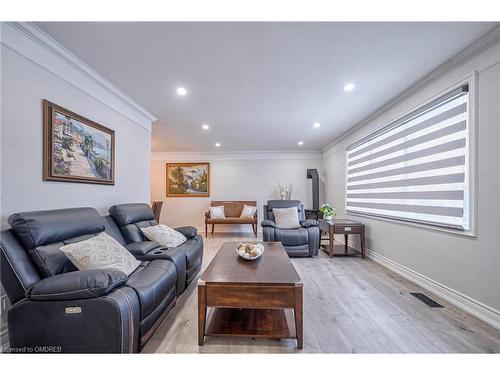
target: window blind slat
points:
(455, 128)
(444, 194)
(415, 168)
(459, 143)
(442, 163)
(458, 110)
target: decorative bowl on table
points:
(249, 250)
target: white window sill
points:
(434, 228)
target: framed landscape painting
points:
(188, 179)
(76, 149)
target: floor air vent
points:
(428, 301)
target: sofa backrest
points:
(42, 233)
(233, 208)
(130, 218)
(112, 229)
(280, 203)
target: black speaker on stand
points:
(314, 212)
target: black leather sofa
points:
(131, 217)
(298, 242)
(57, 308)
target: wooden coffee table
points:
(260, 298)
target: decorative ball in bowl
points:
(249, 250)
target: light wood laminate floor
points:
(350, 306)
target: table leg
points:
(202, 312)
(346, 240)
(362, 235)
(298, 313)
(331, 237)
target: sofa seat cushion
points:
(292, 237)
(152, 281)
(232, 220)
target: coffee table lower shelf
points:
(255, 323)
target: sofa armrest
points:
(187, 231)
(141, 248)
(207, 214)
(77, 285)
(309, 223)
(268, 223)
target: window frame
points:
(471, 161)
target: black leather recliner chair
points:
(187, 257)
(298, 242)
(57, 307)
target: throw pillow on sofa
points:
(164, 235)
(286, 218)
(248, 211)
(101, 251)
(217, 212)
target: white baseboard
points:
(481, 311)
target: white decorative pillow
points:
(217, 212)
(248, 211)
(98, 252)
(286, 218)
(164, 235)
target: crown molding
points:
(482, 44)
(235, 155)
(31, 42)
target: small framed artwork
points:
(76, 149)
(188, 179)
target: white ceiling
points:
(261, 86)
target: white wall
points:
(24, 85)
(468, 268)
(34, 67)
(234, 176)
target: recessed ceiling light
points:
(181, 91)
(300, 143)
(205, 126)
(217, 144)
(316, 124)
(349, 87)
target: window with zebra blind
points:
(415, 169)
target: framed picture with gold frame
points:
(76, 149)
(188, 179)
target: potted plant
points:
(328, 211)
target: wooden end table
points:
(260, 298)
(345, 227)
